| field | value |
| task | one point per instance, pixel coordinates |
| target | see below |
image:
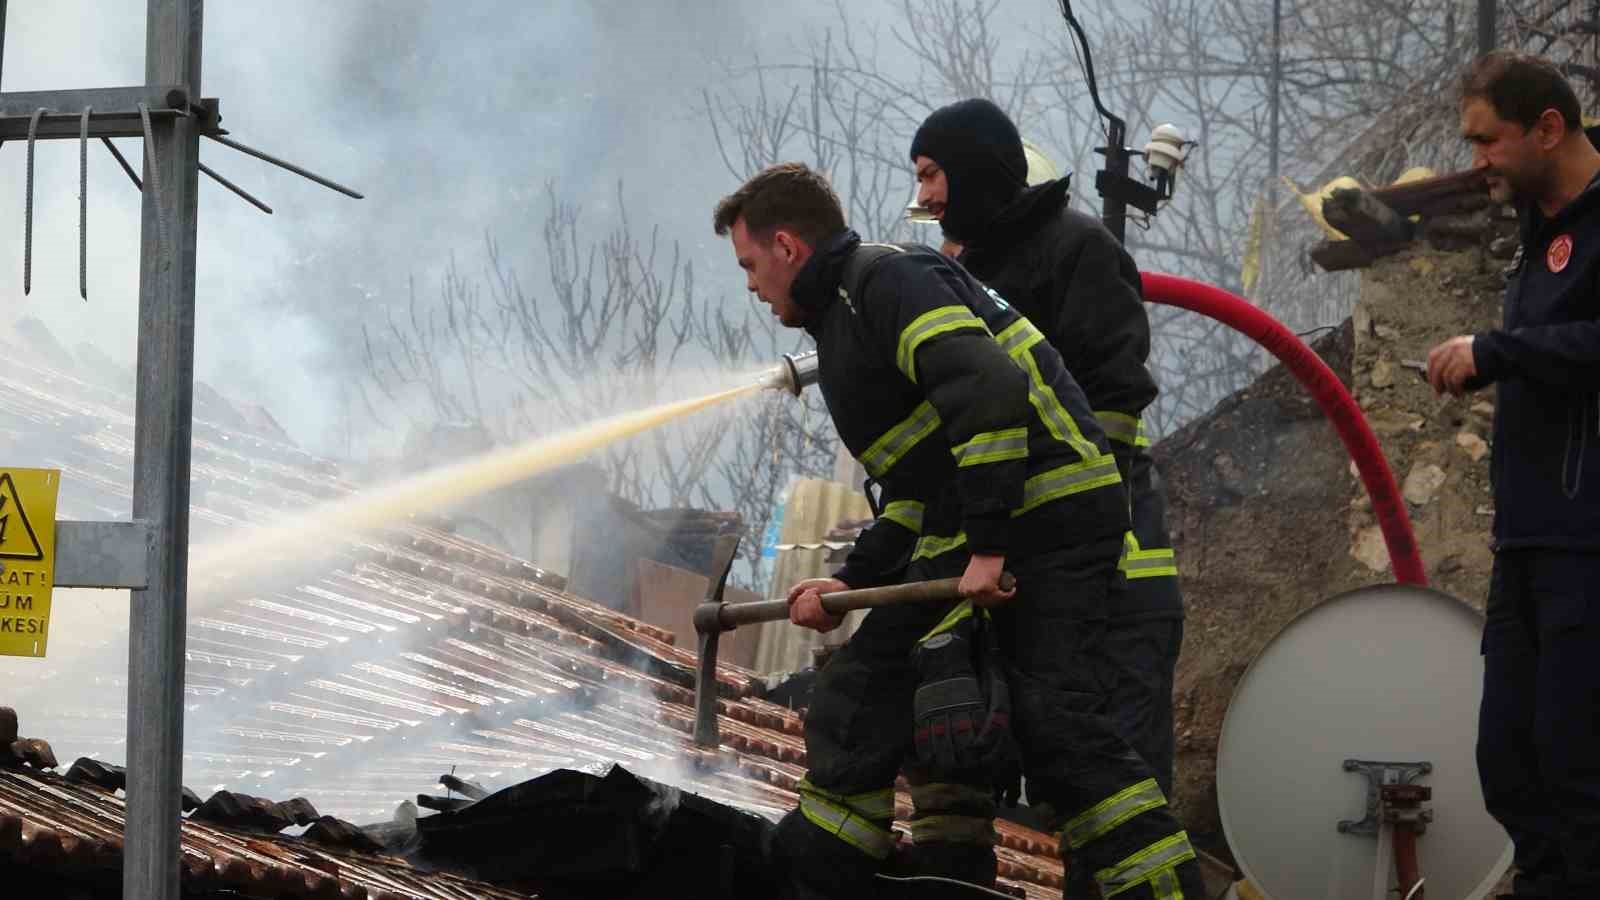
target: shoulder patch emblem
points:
(1560, 253)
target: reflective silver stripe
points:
(847, 826)
(1122, 427)
(993, 446)
(1148, 563)
(1062, 426)
(1145, 865)
(870, 804)
(895, 443)
(929, 325)
(905, 513)
(1108, 814)
(1017, 337)
(1066, 480)
(954, 617)
(1165, 886)
(931, 545)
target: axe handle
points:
(944, 590)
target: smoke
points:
(450, 119)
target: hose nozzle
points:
(796, 371)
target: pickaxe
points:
(715, 616)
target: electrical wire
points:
(1416, 887)
(1086, 60)
(1077, 54)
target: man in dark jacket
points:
(988, 457)
(1068, 275)
(1539, 725)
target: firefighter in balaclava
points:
(1068, 275)
(987, 457)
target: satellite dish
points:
(1389, 674)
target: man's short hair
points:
(1520, 87)
(787, 196)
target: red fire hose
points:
(1330, 394)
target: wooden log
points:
(1365, 218)
(1340, 256)
(1420, 196)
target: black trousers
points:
(1142, 656)
(1539, 724)
(858, 729)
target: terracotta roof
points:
(412, 653)
(75, 830)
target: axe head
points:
(708, 632)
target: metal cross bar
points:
(117, 110)
(123, 161)
(103, 554)
(267, 157)
(243, 194)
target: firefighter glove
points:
(962, 705)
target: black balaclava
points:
(980, 151)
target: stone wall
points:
(1267, 514)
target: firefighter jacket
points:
(957, 407)
(1067, 273)
(1545, 362)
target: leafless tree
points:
(1365, 90)
(618, 324)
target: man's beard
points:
(1519, 191)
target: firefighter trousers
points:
(1114, 817)
(1539, 724)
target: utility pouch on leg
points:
(962, 705)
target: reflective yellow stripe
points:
(1149, 564)
(851, 819)
(1122, 427)
(993, 446)
(870, 804)
(963, 610)
(1165, 886)
(1102, 817)
(847, 826)
(1018, 337)
(895, 443)
(1056, 418)
(931, 545)
(1066, 480)
(1140, 563)
(1146, 865)
(932, 324)
(905, 513)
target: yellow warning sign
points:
(27, 558)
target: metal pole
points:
(1486, 16)
(1277, 81)
(1114, 210)
(162, 429)
(2, 32)
(1269, 208)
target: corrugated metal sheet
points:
(411, 654)
(813, 508)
